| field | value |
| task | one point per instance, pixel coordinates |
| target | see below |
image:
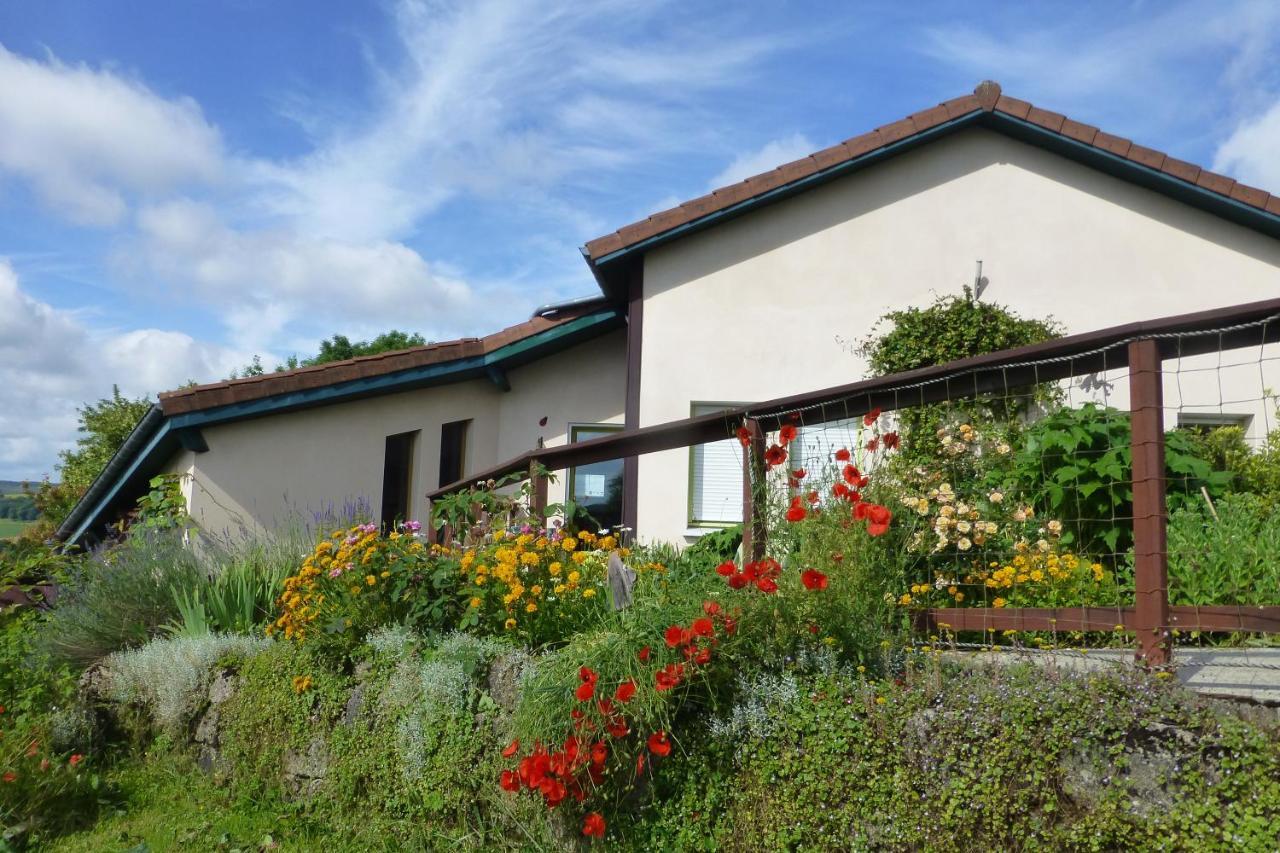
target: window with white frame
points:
(1207, 421)
(715, 477)
(815, 446)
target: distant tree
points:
(104, 426)
(338, 348)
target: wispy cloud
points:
(87, 139)
(773, 154)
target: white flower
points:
(963, 526)
(964, 544)
(1003, 448)
(996, 497)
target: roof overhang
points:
(612, 256)
(158, 435)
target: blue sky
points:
(185, 185)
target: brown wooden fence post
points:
(538, 493)
(754, 533)
(1150, 543)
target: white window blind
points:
(715, 488)
(815, 446)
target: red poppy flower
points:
(799, 473)
(730, 625)
(842, 455)
(786, 435)
(553, 791)
(813, 579)
(891, 441)
(702, 657)
(659, 745)
(510, 781)
(813, 497)
(726, 568)
(593, 825)
(711, 608)
(860, 511)
(878, 520)
(767, 585)
(585, 691)
(873, 445)
(643, 654)
(796, 513)
(738, 581)
(512, 748)
(744, 436)
(10, 776)
(672, 636)
(599, 752)
(775, 456)
(872, 416)
(586, 673)
(617, 727)
(703, 627)
(625, 691)
(852, 475)
(668, 677)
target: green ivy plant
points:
(951, 328)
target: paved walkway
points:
(1250, 674)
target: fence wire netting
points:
(1011, 493)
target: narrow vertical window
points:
(397, 477)
(453, 451)
(596, 489)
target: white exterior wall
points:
(758, 307)
(275, 470)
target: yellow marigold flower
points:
(999, 602)
(880, 700)
(580, 557)
(531, 608)
(559, 588)
(385, 575)
(480, 579)
(905, 599)
(959, 597)
(535, 590)
(608, 543)
(568, 543)
(574, 577)
(588, 593)
(554, 569)
(475, 602)
(530, 559)
(509, 624)
(370, 580)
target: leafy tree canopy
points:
(339, 348)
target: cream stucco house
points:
(703, 305)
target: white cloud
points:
(86, 139)
(1250, 153)
(772, 155)
(51, 363)
(266, 282)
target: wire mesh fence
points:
(1120, 488)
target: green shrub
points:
(239, 582)
(997, 759)
(121, 597)
(167, 675)
(1227, 555)
(1076, 465)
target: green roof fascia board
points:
(1229, 208)
(798, 186)
(161, 445)
(1136, 173)
(512, 354)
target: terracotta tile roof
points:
(987, 97)
(199, 397)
